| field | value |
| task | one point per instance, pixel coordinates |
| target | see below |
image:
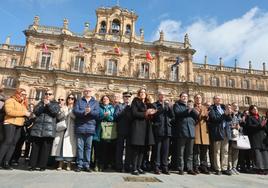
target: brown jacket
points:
(201, 128)
(15, 112)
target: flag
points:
(81, 48)
(116, 49)
(178, 61)
(148, 56)
(44, 47)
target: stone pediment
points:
(48, 45)
(112, 52)
(79, 49)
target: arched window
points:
(215, 81)
(112, 67)
(128, 29)
(79, 64)
(245, 84)
(174, 74)
(13, 62)
(230, 83)
(115, 26)
(103, 27)
(45, 60)
(144, 70)
(199, 79)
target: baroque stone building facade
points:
(57, 58)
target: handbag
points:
(61, 126)
(242, 142)
(108, 130)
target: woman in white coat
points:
(64, 145)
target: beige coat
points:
(66, 138)
(201, 128)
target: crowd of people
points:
(138, 136)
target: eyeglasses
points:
(60, 99)
(23, 94)
(87, 91)
(48, 94)
(72, 98)
(127, 96)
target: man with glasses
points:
(220, 117)
(43, 130)
(122, 116)
(86, 111)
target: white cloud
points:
(244, 38)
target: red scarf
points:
(256, 116)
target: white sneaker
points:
(235, 171)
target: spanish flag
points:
(116, 49)
(148, 56)
(44, 47)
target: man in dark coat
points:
(185, 117)
(219, 129)
(122, 116)
(162, 132)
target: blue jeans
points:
(84, 143)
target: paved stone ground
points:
(64, 179)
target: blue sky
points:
(229, 29)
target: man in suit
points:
(122, 116)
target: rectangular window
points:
(40, 93)
(174, 73)
(13, 62)
(112, 67)
(199, 80)
(144, 72)
(10, 82)
(79, 64)
(45, 60)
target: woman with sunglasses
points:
(64, 145)
(43, 131)
(16, 111)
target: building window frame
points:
(174, 74)
(39, 94)
(10, 82)
(199, 79)
(128, 29)
(245, 84)
(79, 64)
(115, 27)
(144, 70)
(112, 65)
(45, 61)
(13, 62)
(215, 81)
(103, 27)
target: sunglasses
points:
(72, 98)
(23, 94)
(60, 99)
(48, 94)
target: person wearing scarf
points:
(15, 113)
(256, 132)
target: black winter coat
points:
(185, 121)
(216, 121)
(45, 122)
(162, 119)
(256, 133)
(122, 116)
(141, 132)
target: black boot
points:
(7, 166)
